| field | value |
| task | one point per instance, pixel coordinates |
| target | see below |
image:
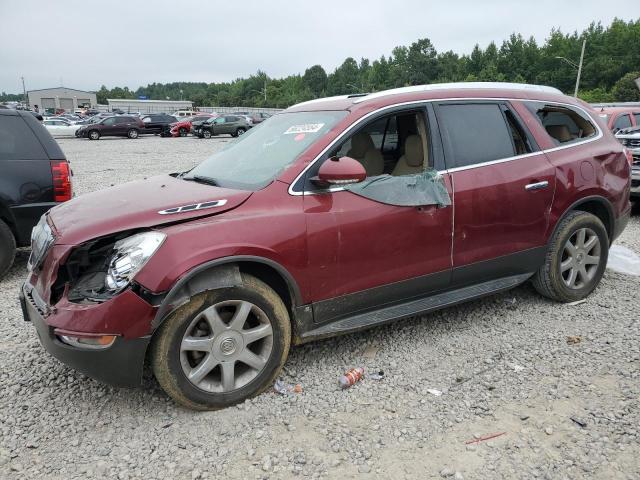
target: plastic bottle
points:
(350, 378)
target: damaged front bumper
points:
(119, 364)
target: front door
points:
(503, 186)
(366, 252)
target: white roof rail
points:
(320, 100)
(459, 85)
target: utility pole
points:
(265, 90)
(24, 92)
(584, 43)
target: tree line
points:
(611, 63)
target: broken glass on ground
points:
(427, 188)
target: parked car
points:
(234, 125)
(183, 126)
(59, 127)
(156, 123)
(35, 177)
(334, 216)
(630, 138)
(620, 117)
(116, 126)
(256, 117)
(185, 113)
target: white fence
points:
(150, 108)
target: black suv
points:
(118, 126)
(35, 176)
(156, 123)
(231, 124)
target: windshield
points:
(261, 154)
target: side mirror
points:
(340, 171)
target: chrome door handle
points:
(536, 186)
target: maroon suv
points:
(335, 215)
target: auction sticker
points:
(304, 128)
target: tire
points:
(239, 132)
(554, 278)
(133, 133)
(94, 135)
(7, 248)
(182, 132)
(206, 134)
(172, 364)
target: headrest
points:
(360, 143)
(413, 153)
(559, 132)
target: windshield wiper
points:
(203, 179)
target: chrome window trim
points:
(455, 169)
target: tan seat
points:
(412, 162)
(559, 132)
(363, 150)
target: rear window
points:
(474, 133)
(623, 121)
(563, 124)
(17, 140)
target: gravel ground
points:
(503, 364)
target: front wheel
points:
(239, 132)
(576, 259)
(223, 346)
(94, 135)
(182, 132)
(133, 133)
(206, 134)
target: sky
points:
(84, 44)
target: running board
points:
(363, 320)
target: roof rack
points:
(460, 85)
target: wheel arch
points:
(596, 205)
(226, 272)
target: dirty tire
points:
(548, 280)
(7, 248)
(165, 348)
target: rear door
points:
(503, 189)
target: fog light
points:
(97, 342)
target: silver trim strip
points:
(193, 207)
(455, 169)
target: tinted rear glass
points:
(474, 133)
(17, 140)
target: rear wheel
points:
(133, 133)
(576, 259)
(182, 132)
(239, 132)
(223, 346)
(94, 135)
(7, 248)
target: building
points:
(130, 105)
(64, 98)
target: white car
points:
(59, 127)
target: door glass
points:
(637, 117)
(474, 133)
(563, 124)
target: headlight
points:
(131, 254)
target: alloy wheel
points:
(580, 258)
(226, 346)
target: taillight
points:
(61, 174)
(628, 154)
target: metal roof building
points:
(61, 97)
(148, 106)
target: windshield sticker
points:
(304, 128)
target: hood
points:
(136, 205)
